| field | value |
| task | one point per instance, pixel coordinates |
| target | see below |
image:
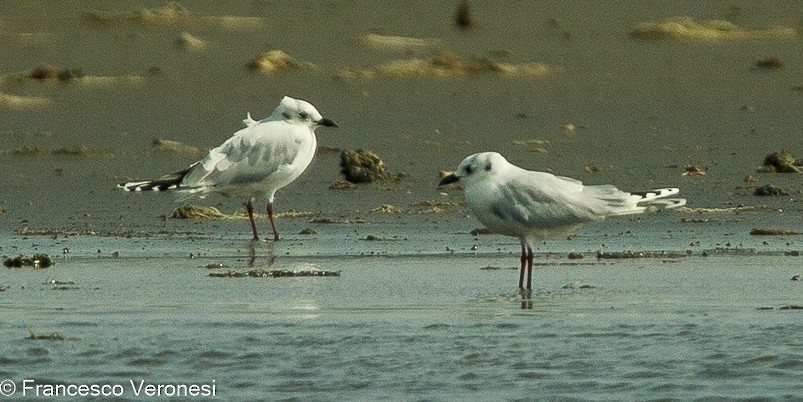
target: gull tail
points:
(657, 199)
(164, 183)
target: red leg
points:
(249, 207)
(272, 223)
(529, 268)
(523, 264)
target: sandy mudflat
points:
(607, 106)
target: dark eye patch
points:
(488, 167)
(469, 169)
(303, 115)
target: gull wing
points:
(251, 155)
(545, 201)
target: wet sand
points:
(643, 110)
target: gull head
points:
(476, 167)
(300, 112)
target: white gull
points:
(255, 162)
(534, 206)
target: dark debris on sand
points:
(46, 72)
(481, 231)
(774, 232)
(771, 191)
(187, 211)
(276, 273)
(359, 166)
(636, 254)
(61, 285)
(54, 336)
(35, 261)
(782, 162)
(770, 63)
(787, 307)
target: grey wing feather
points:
(249, 156)
(543, 200)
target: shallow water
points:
(429, 313)
(437, 326)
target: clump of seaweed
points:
(736, 209)
(575, 285)
(774, 232)
(51, 73)
(341, 184)
(685, 27)
(54, 336)
(437, 207)
(262, 273)
(387, 209)
(188, 211)
(323, 149)
(770, 63)
(379, 238)
(59, 75)
(481, 231)
(54, 233)
(36, 261)
(693, 170)
(292, 214)
(636, 254)
(289, 214)
(30, 151)
(781, 162)
(163, 146)
(770, 190)
(61, 285)
(360, 166)
(329, 221)
(277, 60)
(448, 65)
(787, 307)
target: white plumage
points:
(534, 206)
(255, 162)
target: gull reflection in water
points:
(526, 299)
(252, 254)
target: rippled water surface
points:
(431, 328)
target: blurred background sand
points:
(613, 109)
